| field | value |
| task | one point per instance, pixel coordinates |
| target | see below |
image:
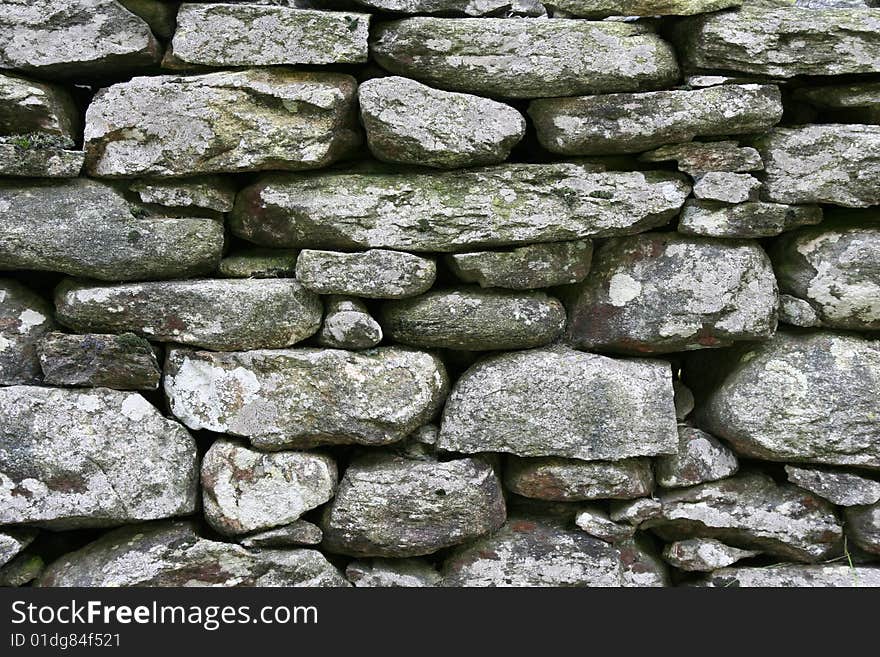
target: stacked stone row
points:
(439, 292)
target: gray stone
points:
(392, 573)
(304, 397)
(244, 490)
(348, 325)
(222, 314)
(22, 570)
(560, 402)
(374, 274)
(525, 58)
(635, 512)
(838, 164)
(630, 123)
(454, 211)
(847, 103)
(662, 292)
(87, 228)
(474, 319)
(85, 39)
(700, 458)
(836, 270)
(525, 267)
(596, 523)
(784, 41)
(28, 107)
(230, 121)
(837, 486)
(703, 554)
(726, 187)
(388, 506)
(299, 532)
(603, 8)
(172, 554)
(91, 458)
(259, 263)
(684, 400)
(698, 157)
(800, 397)
(25, 318)
(795, 576)
(411, 123)
(18, 161)
(746, 220)
(121, 362)
(205, 192)
(14, 540)
(642, 567)
(863, 526)
(465, 7)
(158, 14)
(227, 35)
(570, 480)
(751, 511)
(797, 312)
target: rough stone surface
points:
(374, 274)
(847, 103)
(474, 319)
(630, 123)
(387, 506)
(703, 554)
(796, 576)
(22, 570)
(230, 121)
(660, 292)
(726, 187)
(797, 312)
(259, 263)
(299, 532)
(603, 8)
(524, 58)
(698, 157)
(91, 458)
(32, 107)
(304, 397)
(561, 402)
(596, 523)
(204, 192)
(17, 161)
(13, 541)
(570, 480)
(348, 325)
(121, 362)
(700, 458)
(222, 314)
(837, 486)
(635, 512)
(25, 318)
(863, 526)
(392, 573)
(745, 220)
(454, 211)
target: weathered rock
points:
(22, 570)
(299, 532)
(797, 312)
(24, 319)
(28, 106)
(171, 554)
(387, 506)
(642, 567)
(523, 58)
(726, 187)
(454, 211)
(244, 490)
(92, 458)
(568, 480)
(205, 192)
(13, 541)
(661, 292)
(796, 576)
(230, 121)
(837, 486)
(836, 270)
(86, 228)
(122, 362)
(259, 263)
(630, 123)
(847, 103)
(466, 7)
(635, 512)
(798, 398)
(85, 39)
(745, 220)
(374, 274)
(159, 15)
(561, 402)
(837, 164)
(348, 325)
(526, 267)
(784, 41)
(684, 400)
(228, 35)
(700, 458)
(703, 554)
(19, 160)
(392, 572)
(596, 523)
(411, 123)
(474, 319)
(603, 8)
(863, 526)
(304, 397)
(698, 157)
(751, 511)
(222, 314)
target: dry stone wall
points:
(440, 293)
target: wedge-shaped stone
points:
(304, 397)
(454, 211)
(796, 576)
(745, 220)
(837, 486)
(261, 35)
(222, 314)
(389, 506)
(87, 228)
(81, 39)
(13, 541)
(594, 521)
(25, 317)
(172, 554)
(374, 274)
(91, 458)
(299, 532)
(570, 480)
(230, 121)
(28, 106)
(700, 458)
(348, 325)
(525, 58)
(561, 402)
(703, 554)
(660, 292)
(798, 397)
(630, 123)
(847, 103)
(696, 157)
(205, 192)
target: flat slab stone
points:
(373, 274)
(703, 554)
(560, 402)
(701, 457)
(523, 58)
(570, 480)
(455, 211)
(91, 458)
(25, 317)
(203, 192)
(696, 157)
(748, 220)
(259, 263)
(409, 573)
(840, 487)
(465, 7)
(726, 187)
(230, 121)
(304, 397)
(25, 162)
(595, 522)
(28, 106)
(223, 314)
(299, 532)
(796, 576)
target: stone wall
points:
(440, 292)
